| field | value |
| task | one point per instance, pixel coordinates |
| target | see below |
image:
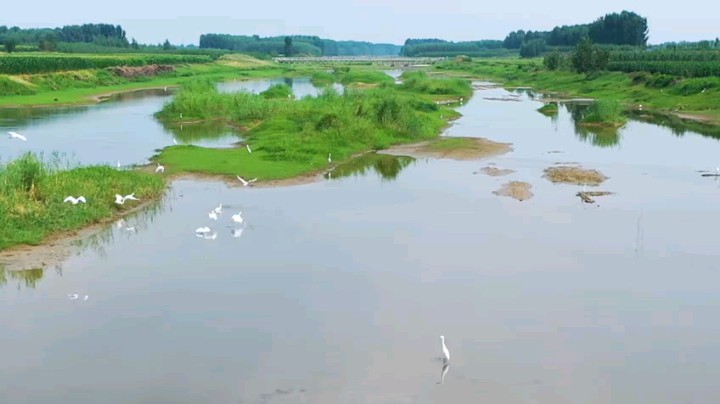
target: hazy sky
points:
(182, 21)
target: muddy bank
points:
(58, 247)
(515, 189)
(574, 175)
(455, 148)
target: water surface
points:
(338, 291)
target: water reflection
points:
(677, 125)
(386, 166)
(29, 277)
(443, 372)
(600, 136)
(209, 134)
(139, 94)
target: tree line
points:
(434, 47)
(48, 38)
(625, 28)
(293, 45)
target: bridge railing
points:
(360, 59)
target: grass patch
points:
(280, 90)
(549, 109)
(322, 79)
(292, 138)
(350, 76)
(419, 81)
(32, 193)
(604, 113)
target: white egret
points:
(74, 200)
(218, 209)
(160, 168)
(212, 215)
(118, 164)
(119, 199)
(86, 297)
(131, 197)
(446, 352)
(246, 183)
(210, 237)
(15, 135)
(181, 115)
(329, 157)
(237, 218)
(73, 296)
(247, 146)
(202, 230)
(237, 232)
(175, 141)
(132, 228)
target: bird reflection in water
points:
(445, 369)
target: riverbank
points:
(696, 99)
(35, 206)
(91, 86)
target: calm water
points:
(338, 291)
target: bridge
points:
(376, 60)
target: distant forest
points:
(625, 28)
(295, 45)
(48, 38)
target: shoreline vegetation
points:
(33, 190)
(293, 138)
(88, 86)
(696, 98)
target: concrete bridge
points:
(376, 60)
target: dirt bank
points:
(574, 175)
(455, 148)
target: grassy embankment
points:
(32, 193)
(290, 138)
(81, 86)
(697, 97)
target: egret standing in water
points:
(212, 215)
(218, 209)
(237, 218)
(446, 352)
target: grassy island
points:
(293, 137)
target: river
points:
(338, 291)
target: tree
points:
(48, 42)
(10, 44)
(552, 60)
(588, 58)
(166, 45)
(288, 46)
(532, 48)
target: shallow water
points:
(122, 128)
(337, 291)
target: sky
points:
(182, 21)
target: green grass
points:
(78, 87)
(550, 108)
(292, 138)
(420, 82)
(280, 90)
(450, 143)
(652, 91)
(604, 113)
(32, 192)
(353, 75)
(322, 78)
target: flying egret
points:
(329, 157)
(237, 218)
(202, 230)
(73, 296)
(212, 215)
(131, 197)
(119, 199)
(160, 168)
(246, 183)
(15, 135)
(74, 200)
(247, 146)
(218, 209)
(446, 352)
